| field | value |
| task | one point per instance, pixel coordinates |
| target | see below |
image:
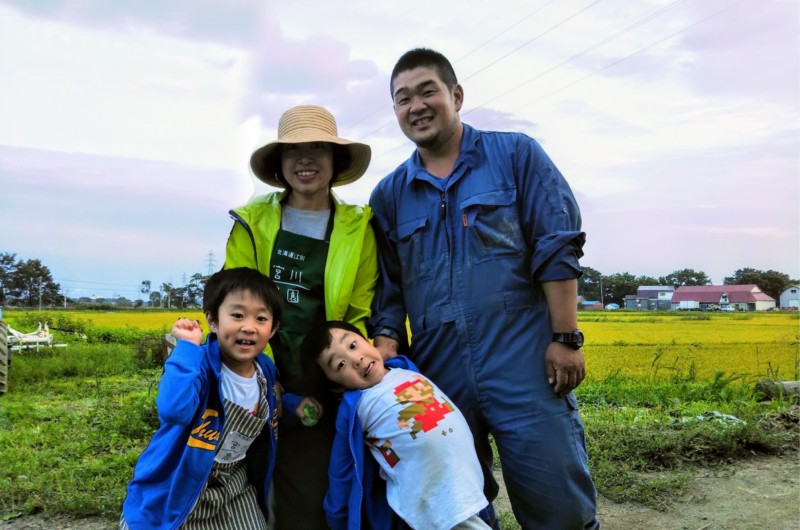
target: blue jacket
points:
(355, 489)
(171, 472)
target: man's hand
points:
(186, 329)
(565, 368)
(387, 346)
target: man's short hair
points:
(226, 281)
(427, 58)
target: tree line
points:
(29, 283)
(169, 296)
(594, 285)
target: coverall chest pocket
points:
(410, 241)
(492, 225)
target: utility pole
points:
(602, 298)
(40, 293)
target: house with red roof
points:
(724, 297)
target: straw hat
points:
(308, 123)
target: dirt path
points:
(762, 493)
(756, 494)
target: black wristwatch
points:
(573, 339)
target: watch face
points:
(577, 339)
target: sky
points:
(126, 127)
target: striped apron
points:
(228, 500)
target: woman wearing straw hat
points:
(321, 254)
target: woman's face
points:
(308, 169)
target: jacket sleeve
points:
(341, 472)
(185, 375)
(388, 306)
(289, 403)
(240, 250)
(359, 307)
(550, 215)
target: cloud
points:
(231, 22)
(112, 219)
(317, 70)
(744, 51)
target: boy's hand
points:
(309, 411)
(188, 330)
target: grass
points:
(76, 419)
(71, 427)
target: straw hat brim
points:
(266, 161)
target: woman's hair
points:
(226, 281)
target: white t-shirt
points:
(425, 449)
(309, 223)
(243, 391)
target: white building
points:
(790, 297)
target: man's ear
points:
(458, 96)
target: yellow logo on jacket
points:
(201, 436)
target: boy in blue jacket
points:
(421, 443)
(210, 463)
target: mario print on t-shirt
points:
(423, 408)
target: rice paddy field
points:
(648, 345)
(657, 385)
(632, 344)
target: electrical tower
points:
(210, 262)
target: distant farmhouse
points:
(650, 297)
(790, 297)
(588, 305)
(722, 297)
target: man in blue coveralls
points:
(479, 237)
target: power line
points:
(542, 34)
(596, 45)
(637, 52)
(494, 37)
(548, 30)
(520, 21)
(582, 52)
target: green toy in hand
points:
(310, 412)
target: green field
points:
(657, 403)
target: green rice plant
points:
(657, 403)
(77, 360)
(695, 316)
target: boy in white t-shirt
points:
(210, 463)
(419, 439)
